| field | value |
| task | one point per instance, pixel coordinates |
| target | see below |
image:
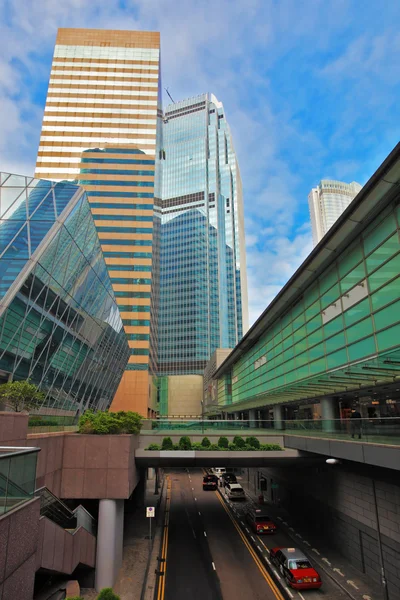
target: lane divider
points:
(164, 546)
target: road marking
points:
(301, 596)
(199, 513)
(365, 597)
(291, 529)
(164, 547)
(259, 548)
(248, 530)
(213, 565)
(195, 499)
(327, 561)
(350, 582)
(298, 535)
(242, 522)
(276, 573)
(277, 593)
(192, 489)
(316, 551)
(205, 535)
(289, 592)
(339, 571)
(280, 518)
(307, 543)
(284, 522)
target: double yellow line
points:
(253, 554)
(164, 547)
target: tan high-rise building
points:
(102, 128)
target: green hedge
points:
(100, 423)
(251, 444)
(107, 594)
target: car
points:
(210, 482)
(228, 478)
(259, 521)
(296, 568)
(218, 471)
(234, 491)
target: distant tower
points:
(326, 202)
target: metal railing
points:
(385, 430)
(56, 510)
(17, 476)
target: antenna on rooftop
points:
(173, 101)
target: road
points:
(210, 555)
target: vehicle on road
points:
(259, 521)
(210, 482)
(234, 491)
(228, 478)
(296, 568)
(218, 471)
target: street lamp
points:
(336, 461)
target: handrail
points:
(17, 451)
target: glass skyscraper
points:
(326, 202)
(203, 287)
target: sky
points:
(310, 88)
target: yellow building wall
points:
(132, 393)
(185, 393)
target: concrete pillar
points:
(278, 417)
(110, 537)
(253, 423)
(151, 473)
(329, 412)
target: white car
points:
(218, 471)
(234, 491)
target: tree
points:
(107, 594)
(21, 395)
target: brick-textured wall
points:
(338, 501)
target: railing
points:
(17, 476)
(385, 430)
(56, 510)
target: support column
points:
(151, 473)
(110, 537)
(278, 417)
(329, 412)
(253, 423)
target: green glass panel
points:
(330, 296)
(301, 359)
(357, 312)
(311, 295)
(315, 338)
(290, 377)
(383, 253)
(287, 331)
(316, 352)
(328, 280)
(288, 342)
(360, 330)
(313, 310)
(379, 234)
(303, 371)
(299, 334)
(386, 317)
(388, 338)
(336, 359)
(333, 326)
(362, 349)
(297, 309)
(299, 321)
(386, 294)
(335, 342)
(350, 260)
(314, 324)
(354, 277)
(385, 273)
(318, 366)
(286, 320)
(289, 353)
(302, 346)
(278, 349)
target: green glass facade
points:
(341, 331)
(59, 321)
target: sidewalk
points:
(328, 559)
(131, 576)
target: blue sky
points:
(311, 90)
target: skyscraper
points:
(203, 287)
(326, 202)
(102, 115)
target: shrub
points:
(185, 443)
(232, 446)
(107, 594)
(153, 447)
(198, 446)
(205, 442)
(223, 442)
(101, 423)
(239, 442)
(270, 447)
(167, 444)
(253, 441)
(214, 447)
(75, 598)
(249, 448)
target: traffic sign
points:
(150, 511)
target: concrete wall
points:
(337, 502)
(185, 393)
(60, 550)
(13, 429)
(18, 544)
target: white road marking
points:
(259, 548)
(193, 489)
(298, 535)
(213, 566)
(205, 535)
(276, 573)
(316, 551)
(248, 531)
(284, 522)
(338, 571)
(291, 529)
(280, 518)
(242, 522)
(252, 538)
(307, 543)
(350, 582)
(326, 561)
(195, 499)
(267, 559)
(289, 592)
(301, 596)
(365, 597)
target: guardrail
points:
(17, 476)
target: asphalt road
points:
(210, 554)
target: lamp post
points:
(336, 461)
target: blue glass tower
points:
(203, 286)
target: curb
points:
(150, 579)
